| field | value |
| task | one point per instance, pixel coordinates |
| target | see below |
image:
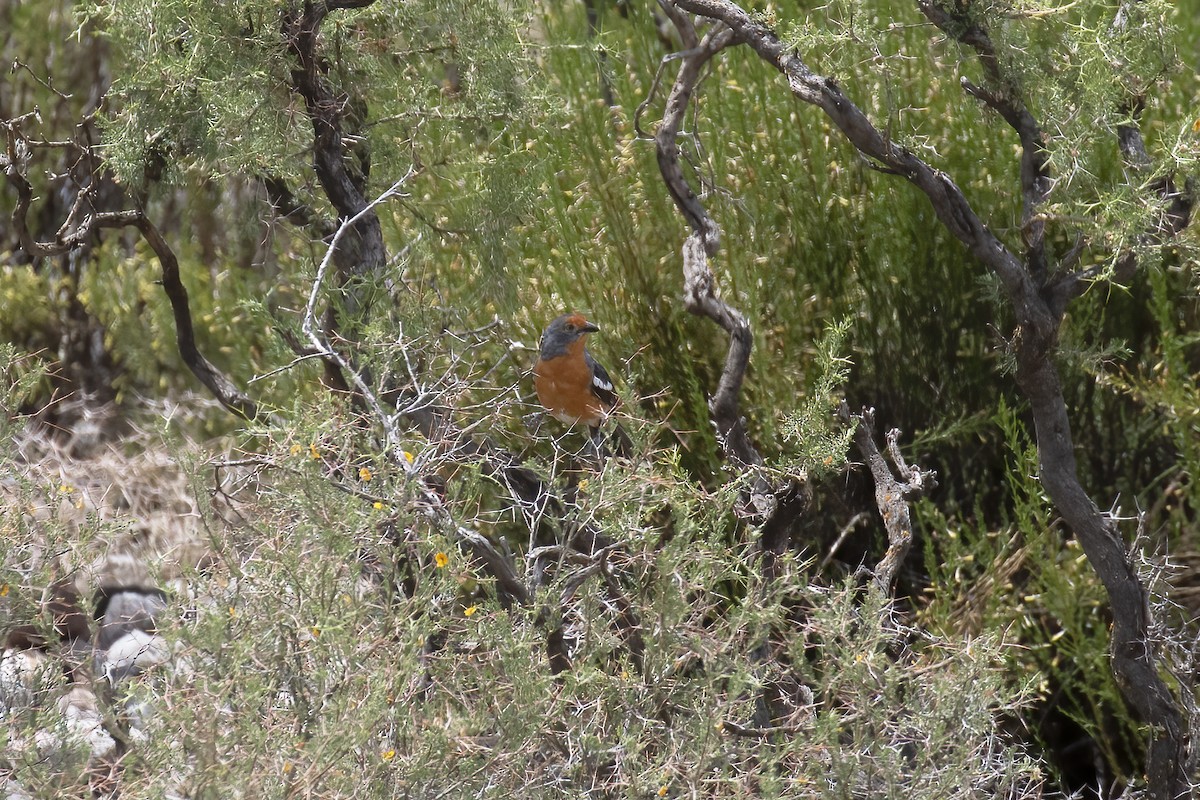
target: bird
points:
(572, 385)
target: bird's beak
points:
(590, 327)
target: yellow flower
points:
(378, 505)
(408, 456)
(662, 790)
(1196, 126)
(583, 484)
(441, 559)
(469, 610)
(388, 755)
(314, 452)
(4, 590)
(287, 767)
(365, 474)
(296, 449)
(65, 489)
(315, 631)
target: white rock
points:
(133, 654)
(84, 721)
(24, 675)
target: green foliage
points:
(1023, 580)
(810, 428)
(1165, 381)
(28, 291)
(201, 87)
(339, 647)
(536, 197)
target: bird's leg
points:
(596, 450)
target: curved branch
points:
(221, 387)
(1134, 657)
(70, 237)
(699, 286)
(700, 297)
(667, 138)
(952, 208)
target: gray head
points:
(564, 332)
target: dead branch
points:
(775, 508)
(699, 284)
(949, 203)
(892, 491)
(498, 564)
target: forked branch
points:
(892, 491)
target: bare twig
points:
(731, 727)
(496, 562)
(847, 529)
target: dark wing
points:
(602, 385)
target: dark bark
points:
(362, 252)
(1133, 654)
(219, 384)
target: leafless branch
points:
(498, 564)
(699, 284)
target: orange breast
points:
(564, 387)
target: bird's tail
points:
(616, 444)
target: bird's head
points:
(564, 332)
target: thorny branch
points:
(497, 563)
(357, 250)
